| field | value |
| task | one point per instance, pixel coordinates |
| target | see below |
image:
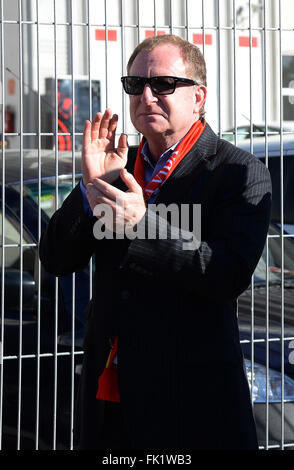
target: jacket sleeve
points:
(67, 244)
(224, 261)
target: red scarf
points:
(108, 381)
(175, 158)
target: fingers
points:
(87, 134)
(122, 146)
(104, 124)
(130, 181)
(96, 197)
(112, 128)
(91, 131)
(103, 189)
(111, 191)
(126, 208)
(96, 126)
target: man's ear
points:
(200, 97)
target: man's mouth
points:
(150, 113)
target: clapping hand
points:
(121, 210)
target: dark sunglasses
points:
(164, 85)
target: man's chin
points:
(151, 127)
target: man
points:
(162, 319)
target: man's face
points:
(164, 116)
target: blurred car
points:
(267, 339)
(266, 309)
(258, 130)
(52, 352)
(42, 347)
(278, 154)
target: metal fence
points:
(61, 63)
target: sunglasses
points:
(164, 85)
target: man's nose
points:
(147, 95)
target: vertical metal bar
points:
(89, 63)
(219, 67)
(203, 30)
(123, 61)
(90, 117)
(138, 40)
(267, 348)
(106, 55)
(267, 267)
(265, 75)
(251, 150)
(55, 356)
(3, 228)
(282, 235)
(155, 19)
(21, 220)
(234, 71)
(187, 25)
(73, 275)
(138, 21)
(138, 29)
(250, 77)
(39, 236)
(171, 27)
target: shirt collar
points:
(147, 155)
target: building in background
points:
(83, 46)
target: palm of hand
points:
(100, 158)
(106, 163)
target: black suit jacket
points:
(180, 365)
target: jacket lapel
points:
(190, 167)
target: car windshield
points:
(244, 132)
(274, 259)
(52, 196)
